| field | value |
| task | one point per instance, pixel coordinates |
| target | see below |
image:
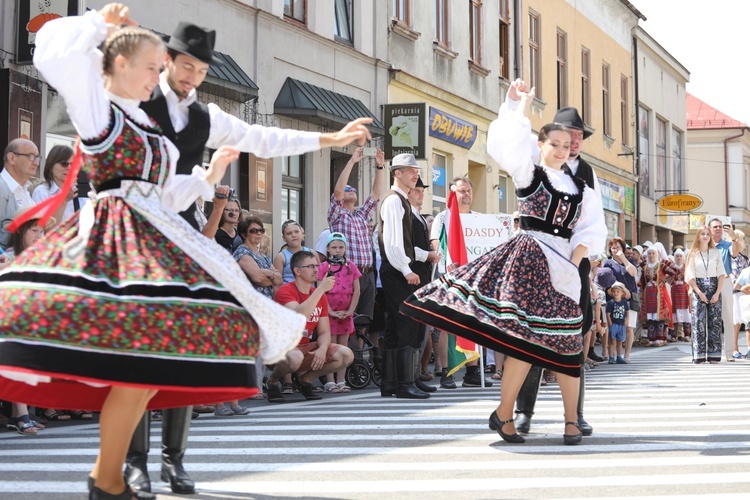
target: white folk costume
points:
(521, 299)
(126, 292)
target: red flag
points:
(456, 242)
(46, 209)
(458, 257)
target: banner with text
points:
(483, 232)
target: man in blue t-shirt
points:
(728, 249)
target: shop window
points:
(344, 31)
(439, 182)
(296, 9)
(292, 188)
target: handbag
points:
(635, 302)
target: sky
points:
(708, 38)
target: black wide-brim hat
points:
(196, 42)
(571, 119)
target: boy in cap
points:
(617, 311)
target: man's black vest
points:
(190, 141)
(420, 239)
(585, 172)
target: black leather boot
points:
(421, 385)
(407, 363)
(136, 471)
(526, 400)
(583, 426)
(174, 441)
(388, 373)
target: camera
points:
(231, 194)
(369, 152)
(336, 260)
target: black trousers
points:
(401, 331)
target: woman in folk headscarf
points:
(738, 264)
(657, 305)
(680, 300)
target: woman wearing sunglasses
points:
(56, 169)
(256, 264)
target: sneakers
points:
(611, 360)
(447, 382)
(240, 410)
(621, 361)
(475, 380)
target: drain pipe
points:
(636, 143)
(517, 55)
(726, 165)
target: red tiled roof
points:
(702, 116)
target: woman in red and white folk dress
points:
(680, 300)
(657, 304)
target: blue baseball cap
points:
(336, 237)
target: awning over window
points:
(330, 109)
(231, 77)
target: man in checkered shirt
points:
(344, 218)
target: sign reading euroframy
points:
(680, 202)
(406, 125)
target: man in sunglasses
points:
(21, 160)
(352, 222)
(310, 359)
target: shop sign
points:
(451, 129)
(406, 125)
(31, 16)
(680, 202)
(616, 198)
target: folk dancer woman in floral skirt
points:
(521, 299)
(125, 307)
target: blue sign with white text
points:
(452, 129)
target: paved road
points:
(663, 427)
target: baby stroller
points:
(367, 360)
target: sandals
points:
(497, 376)
(204, 408)
(52, 414)
(490, 369)
(330, 387)
(80, 415)
(22, 425)
(240, 410)
(287, 388)
(225, 411)
(342, 387)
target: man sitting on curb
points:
(309, 360)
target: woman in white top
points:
(704, 272)
(56, 168)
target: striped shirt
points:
(353, 224)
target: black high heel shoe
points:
(570, 439)
(497, 425)
(97, 494)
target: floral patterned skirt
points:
(134, 308)
(505, 301)
(707, 326)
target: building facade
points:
(719, 168)
(661, 135)
(579, 53)
(298, 64)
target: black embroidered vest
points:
(406, 228)
(545, 209)
(420, 239)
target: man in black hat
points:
(192, 126)
(577, 167)
(398, 252)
